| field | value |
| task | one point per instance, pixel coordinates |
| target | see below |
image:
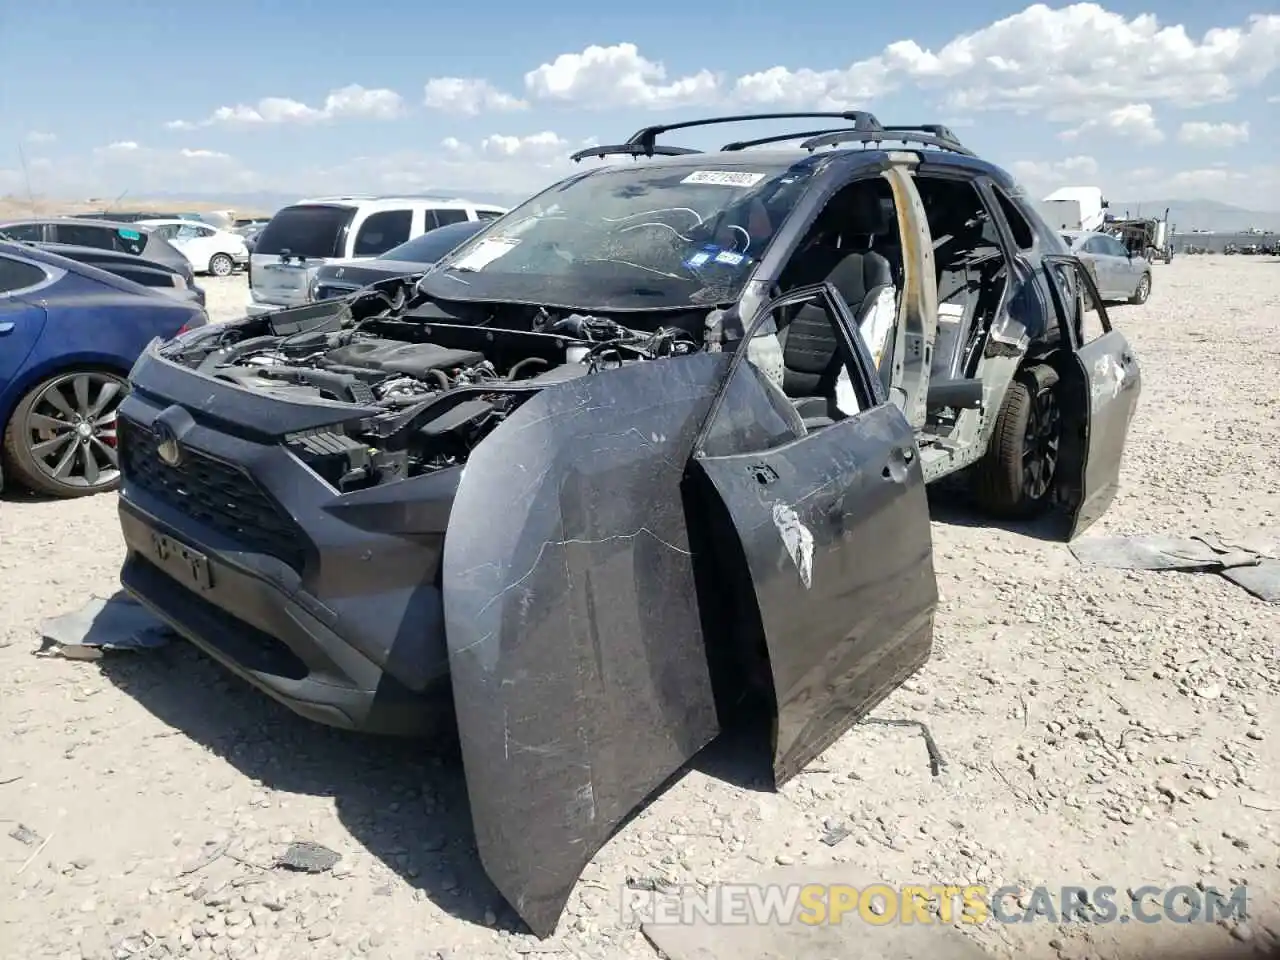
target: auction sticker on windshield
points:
(485, 252)
(724, 178)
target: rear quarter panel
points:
(88, 325)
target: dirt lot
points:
(1099, 728)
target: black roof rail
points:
(925, 134)
(646, 138)
(777, 138)
(630, 150)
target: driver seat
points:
(810, 351)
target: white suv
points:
(306, 235)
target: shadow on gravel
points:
(404, 801)
(12, 493)
(956, 509)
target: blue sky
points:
(145, 96)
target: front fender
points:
(579, 671)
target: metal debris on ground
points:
(24, 834)
(936, 763)
(1251, 562)
(835, 834)
(308, 857)
(118, 623)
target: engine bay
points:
(427, 384)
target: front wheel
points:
(1015, 478)
(221, 265)
(61, 439)
(1143, 290)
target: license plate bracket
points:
(181, 561)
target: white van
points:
(306, 235)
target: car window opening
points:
(855, 246)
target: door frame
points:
(852, 348)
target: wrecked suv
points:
(656, 438)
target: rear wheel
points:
(1142, 291)
(61, 439)
(1015, 478)
(221, 265)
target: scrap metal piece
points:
(117, 623)
(936, 761)
(24, 834)
(307, 857)
(1251, 562)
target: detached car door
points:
(1107, 382)
(821, 534)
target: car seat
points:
(810, 351)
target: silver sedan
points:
(1119, 274)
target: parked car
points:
(133, 216)
(103, 234)
(208, 249)
(305, 236)
(250, 236)
(338, 278)
(69, 332)
(1121, 274)
(148, 273)
(656, 438)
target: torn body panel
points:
(835, 531)
(579, 670)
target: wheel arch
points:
(55, 366)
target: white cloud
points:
(468, 96)
(617, 76)
(1274, 99)
(350, 102)
(1069, 61)
(40, 136)
(820, 89)
(1133, 122)
(537, 147)
(506, 163)
(143, 169)
(1044, 173)
(1201, 134)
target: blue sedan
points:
(69, 334)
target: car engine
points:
(426, 393)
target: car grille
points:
(217, 494)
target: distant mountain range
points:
(1188, 215)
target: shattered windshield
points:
(636, 237)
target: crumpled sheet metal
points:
(117, 623)
(1251, 562)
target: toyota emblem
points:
(167, 447)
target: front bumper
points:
(323, 601)
(274, 642)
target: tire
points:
(60, 440)
(1143, 291)
(1029, 425)
(221, 265)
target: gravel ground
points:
(1100, 728)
